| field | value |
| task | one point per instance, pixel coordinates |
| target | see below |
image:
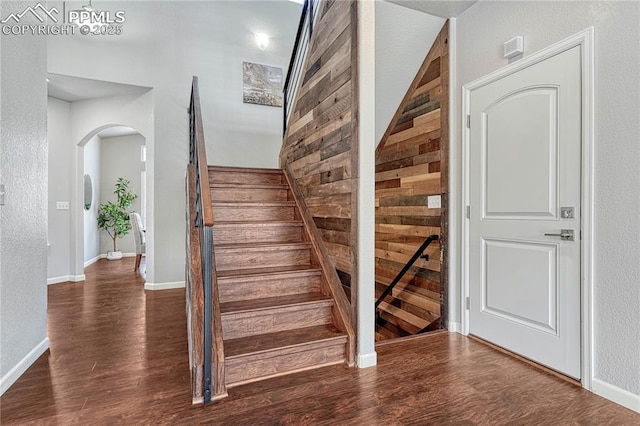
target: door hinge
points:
(467, 303)
(468, 121)
(468, 212)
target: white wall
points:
(91, 153)
(23, 218)
(120, 157)
(59, 165)
(74, 151)
(88, 118)
(481, 31)
(164, 53)
(403, 39)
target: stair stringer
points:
(330, 283)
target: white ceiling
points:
(154, 22)
(117, 131)
(441, 8)
(73, 89)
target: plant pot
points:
(114, 255)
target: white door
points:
(524, 165)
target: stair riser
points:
(245, 324)
(246, 178)
(231, 290)
(248, 194)
(252, 368)
(247, 259)
(262, 234)
(229, 214)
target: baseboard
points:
(163, 286)
(94, 260)
(367, 360)
(104, 256)
(65, 278)
(455, 327)
(615, 394)
(18, 370)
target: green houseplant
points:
(113, 217)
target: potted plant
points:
(114, 217)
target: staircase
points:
(277, 313)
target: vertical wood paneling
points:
(411, 164)
(318, 148)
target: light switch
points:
(434, 202)
(62, 205)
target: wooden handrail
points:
(206, 209)
(208, 382)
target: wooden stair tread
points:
(263, 246)
(244, 169)
(280, 340)
(259, 224)
(416, 299)
(272, 302)
(263, 272)
(249, 204)
(406, 316)
(249, 185)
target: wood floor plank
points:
(119, 355)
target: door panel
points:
(508, 269)
(524, 165)
(512, 122)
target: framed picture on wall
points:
(261, 84)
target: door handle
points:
(565, 235)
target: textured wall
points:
(23, 222)
(482, 30)
(411, 165)
(317, 146)
(157, 50)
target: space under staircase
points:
(273, 307)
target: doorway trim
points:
(584, 39)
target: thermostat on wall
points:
(514, 47)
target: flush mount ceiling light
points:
(262, 40)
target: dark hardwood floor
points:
(119, 356)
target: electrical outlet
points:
(434, 202)
(62, 205)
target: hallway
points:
(119, 356)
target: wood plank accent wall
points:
(411, 164)
(317, 147)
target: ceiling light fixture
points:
(262, 40)
(88, 7)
